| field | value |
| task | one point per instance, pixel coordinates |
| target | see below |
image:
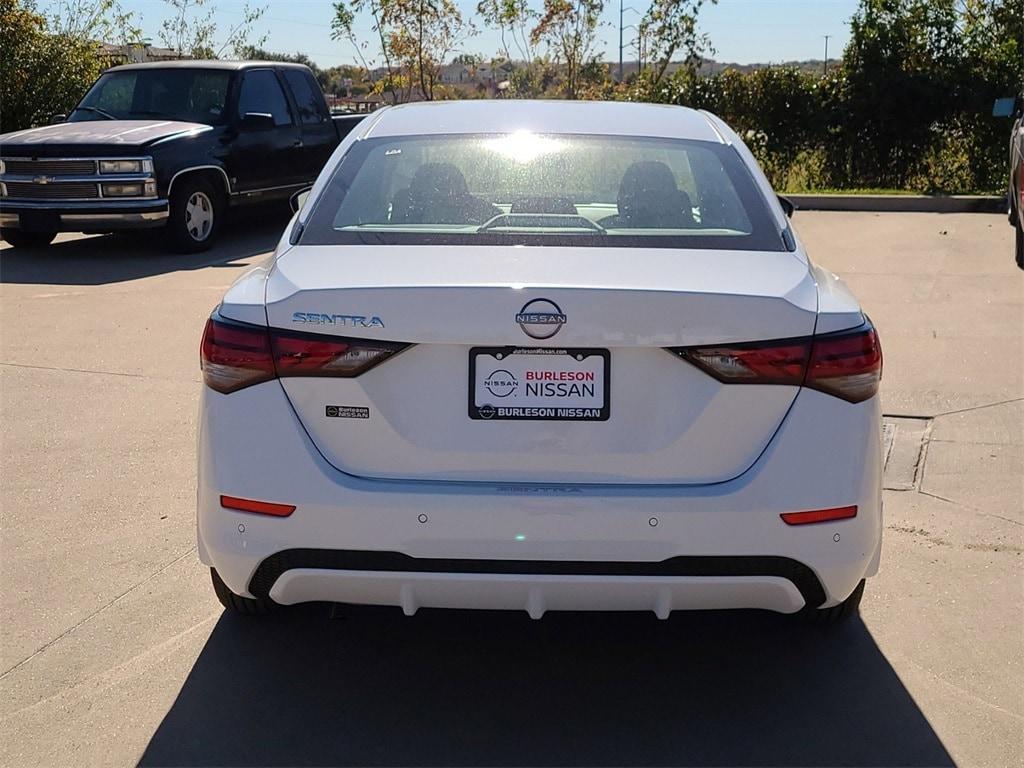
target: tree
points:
(569, 29)
(901, 66)
(97, 20)
(192, 32)
(669, 28)
(471, 60)
(41, 73)
(256, 53)
(511, 18)
(416, 37)
(342, 28)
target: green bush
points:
(907, 108)
(40, 74)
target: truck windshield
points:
(191, 95)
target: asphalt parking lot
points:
(113, 649)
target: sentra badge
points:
(345, 321)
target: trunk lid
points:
(666, 421)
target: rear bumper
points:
(540, 547)
(83, 217)
(536, 593)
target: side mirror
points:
(1004, 107)
(787, 206)
(299, 199)
(257, 121)
(54, 119)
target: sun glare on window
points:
(523, 146)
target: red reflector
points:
(259, 507)
(819, 515)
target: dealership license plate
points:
(538, 384)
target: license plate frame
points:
(497, 411)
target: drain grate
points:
(904, 439)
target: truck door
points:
(319, 136)
(263, 161)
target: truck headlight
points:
(125, 166)
(130, 189)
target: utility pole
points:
(826, 53)
(621, 12)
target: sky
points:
(741, 31)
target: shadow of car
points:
(492, 688)
(104, 259)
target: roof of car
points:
(206, 64)
(612, 118)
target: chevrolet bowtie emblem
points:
(43, 179)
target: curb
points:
(901, 203)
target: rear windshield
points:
(191, 95)
(543, 189)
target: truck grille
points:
(51, 167)
(27, 190)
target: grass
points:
(865, 191)
(874, 191)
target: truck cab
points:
(169, 144)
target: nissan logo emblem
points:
(540, 318)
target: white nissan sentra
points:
(541, 356)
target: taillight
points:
(776, 362)
(236, 355)
(311, 355)
(847, 364)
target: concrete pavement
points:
(113, 649)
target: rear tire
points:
(827, 617)
(197, 212)
(246, 606)
(19, 238)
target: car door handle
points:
(297, 143)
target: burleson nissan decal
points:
(349, 321)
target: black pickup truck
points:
(172, 145)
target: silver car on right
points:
(1014, 107)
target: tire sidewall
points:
(181, 238)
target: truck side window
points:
(311, 110)
(261, 92)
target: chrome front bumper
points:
(90, 217)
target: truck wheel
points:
(826, 617)
(195, 217)
(19, 238)
(246, 606)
